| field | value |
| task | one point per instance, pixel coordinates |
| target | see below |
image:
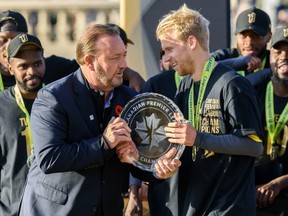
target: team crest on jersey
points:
(251, 17)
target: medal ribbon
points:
(194, 117)
(177, 79)
(273, 131)
(21, 105)
(1, 84)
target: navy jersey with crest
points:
(217, 184)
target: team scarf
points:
(272, 128)
(194, 110)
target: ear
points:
(192, 41)
(268, 37)
(10, 68)
(88, 60)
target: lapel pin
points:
(91, 117)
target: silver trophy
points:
(147, 114)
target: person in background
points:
(26, 63)
(216, 176)
(272, 166)
(79, 140)
(253, 32)
(13, 23)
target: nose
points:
(249, 39)
(31, 71)
(123, 63)
(166, 58)
(284, 55)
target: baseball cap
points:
(20, 41)
(122, 33)
(279, 35)
(16, 18)
(253, 19)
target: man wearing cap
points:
(26, 63)
(272, 166)
(11, 24)
(253, 31)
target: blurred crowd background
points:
(58, 23)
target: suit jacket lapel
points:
(85, 103)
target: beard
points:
(4, 70)
(105, 80)
(28, 89)
(260, 55)
(275, 76)
(277, 80)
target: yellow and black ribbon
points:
(27, 131)
(272, 128)
(193, 114)
(1, 84)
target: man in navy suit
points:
(79, 140)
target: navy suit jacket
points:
(73, 173)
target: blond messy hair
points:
(183, 23)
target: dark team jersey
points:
(267, 169)
(13, 153)
(163, 83)
(216, 184)
(223, 54)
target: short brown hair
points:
(86, 43)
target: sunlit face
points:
(249, 42)
(5, 38)
(177, 55)
(279, 62)
(29, 69)
(109, 65)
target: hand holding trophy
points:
(147, 114)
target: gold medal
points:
(272, 153)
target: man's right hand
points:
(166, 166)
(254, 64)
(117, 131)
